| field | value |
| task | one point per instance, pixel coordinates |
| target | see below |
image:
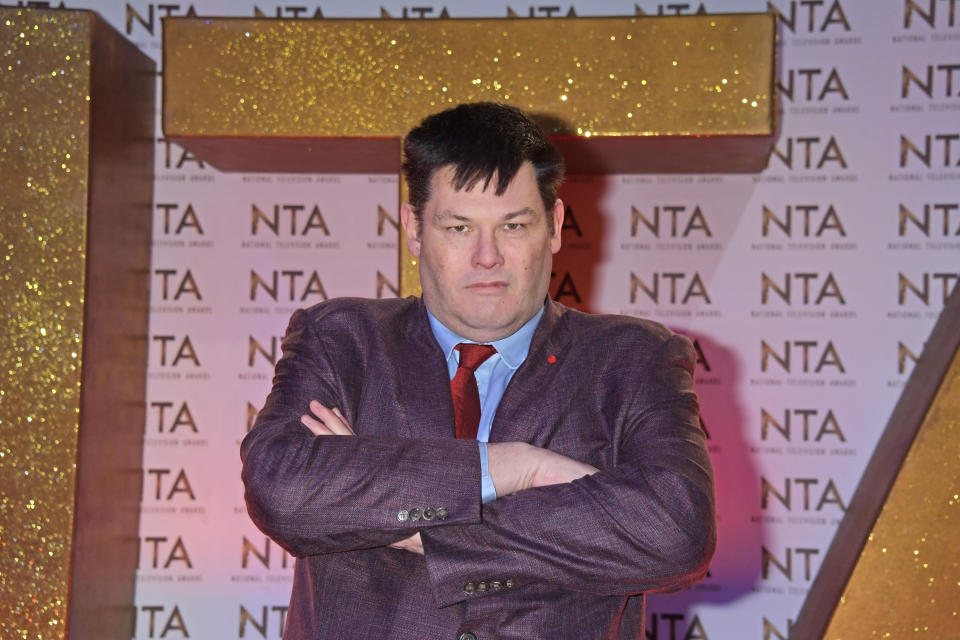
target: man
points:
(595, 485)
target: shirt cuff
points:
(488, 492)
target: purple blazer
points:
(566, 562)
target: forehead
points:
(522, 189)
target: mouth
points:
(488, 287)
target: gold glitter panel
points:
(906, 580)
(71, 183)
(641, 94)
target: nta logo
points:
(813, 357)
(295, 286)
(183, 417)
(810, 221)
(922, 290)
(829, 495)
(933, 147)
(770, 560)
(290, 215)
(930, 82)
(811, 15)
(186, 220)
(681, 290)
(815, 153)
(812, 427)
(813, 87)
(933, 13)
(682, 221)
(925, 221)
(813, 290)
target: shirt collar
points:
(512, 350)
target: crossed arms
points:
(514, 466)
(644, 521)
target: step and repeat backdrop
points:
(809, 290)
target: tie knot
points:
(473, 355)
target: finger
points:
(336, 424)
(345, 423)
(317, 427)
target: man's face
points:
(484, 259)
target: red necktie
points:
(463, 386)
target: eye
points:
(458, 228)
(514, 226)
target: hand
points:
(515, 466)
(326, 422)
(413, 544)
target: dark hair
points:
(479, 140)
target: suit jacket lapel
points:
(535, 377)
(424, 381)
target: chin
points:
(487, 323)
(490, 325)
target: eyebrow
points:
(446, 214)
(521, 212)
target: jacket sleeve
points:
(646, 524)
(323, 494)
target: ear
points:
(411, 228)
(557, 214)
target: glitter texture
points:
(55, 108)
(637, 76)
(45, 58)
(907, 581)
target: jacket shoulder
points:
(627, 344)
(355, 321)
(618, 330)
(351, 309)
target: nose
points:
(486, 252)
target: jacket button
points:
(428, 513)
(402, 515)
(496, 585)
(509, 583)
(414, 514)
(481, 587)
(467, 635)
(469, 588)
(442, 513)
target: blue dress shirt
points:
(492, 379)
